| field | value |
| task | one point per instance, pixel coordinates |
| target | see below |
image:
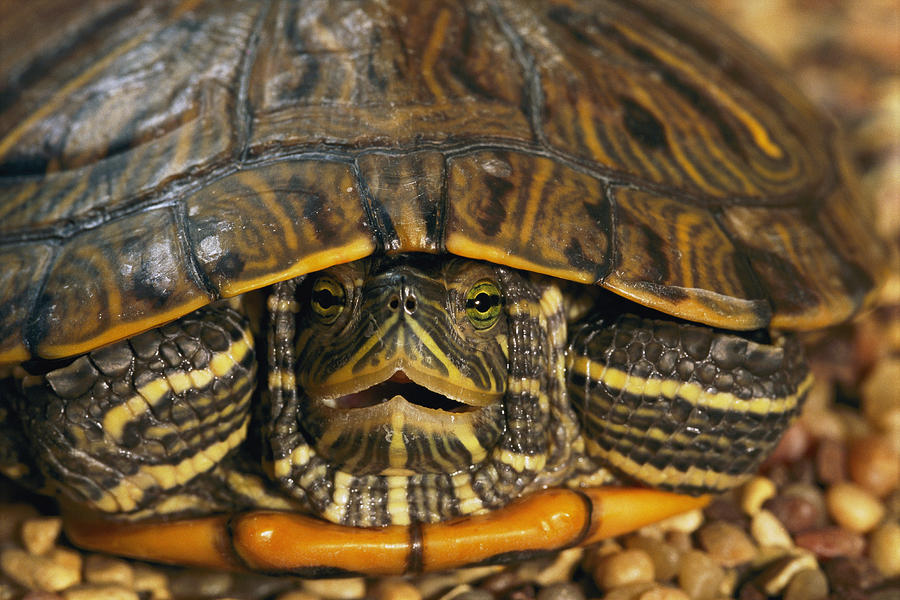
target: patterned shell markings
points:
(155, 158)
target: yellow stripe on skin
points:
(117, 417)
(691, 392)
(397, 502)
(469, 502)
(126, 496)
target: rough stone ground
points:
(822, 519)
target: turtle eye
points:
(327, 299)
(483, 304)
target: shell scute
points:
(676, 258)
(529, 212)
(110, 281)
(265, 224)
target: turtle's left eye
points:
(327, 299)
(483, 304)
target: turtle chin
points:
(401, 427)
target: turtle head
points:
(411, 348)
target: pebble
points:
(470, 594)
(884, 548)
(777, 575)
(754, 494)
(831, 461)
(687, 522)
(664, 593)
(97, 591)
(12, 515)
(699, 575)
(623, 568)
(336, 589)
(831, 541)
(561, 569)
(664, 555)
(797, 513)
(809, 584)
(295, 595)
(874, 464)
(726, 543)
(37, 572)
(880, 399)
(847, 576)
(853, 508)
(39, 535)
(106, 569)
(152, 581)
(394, 589)
(632, 591)
(768, 531)
(561, 591)
(201, 583)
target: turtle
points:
(385, 287)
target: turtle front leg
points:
(679, 406)
(127, 429)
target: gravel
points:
(820, 521)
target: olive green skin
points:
(156, 158)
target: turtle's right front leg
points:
(129, 429)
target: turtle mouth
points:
(399, 384)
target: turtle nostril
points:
(410, 304)
(394, 303)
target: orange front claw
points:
(279, 542)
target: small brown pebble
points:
(37, 572)
(336, 589)
(699, 575)
(848, 575)
(724, 508)
(561, 569)
(768, 531)
(561, 591)
(11, 518)
(795, 512)
(664, 593)
(394, 589)
(809, 584)
(793, 445)
(777, 575)
(623, 568)
(501, 583)
(884, 548)
(664, 555)
(749, 591)
(152, 581)
(33, 596)
(754, 493)
(831, 541)
(106, 569)
(296, 595)
(471, 595)
(39, 535)
(874, 465)
(880, 400)
(100, 591)
(726, 543)
(853, 507)
(201, 583)
(680, 540)
(632, 591)
(831, 461)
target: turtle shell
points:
(157, 156)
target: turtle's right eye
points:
(327, 299)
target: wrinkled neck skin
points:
(426, 388)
